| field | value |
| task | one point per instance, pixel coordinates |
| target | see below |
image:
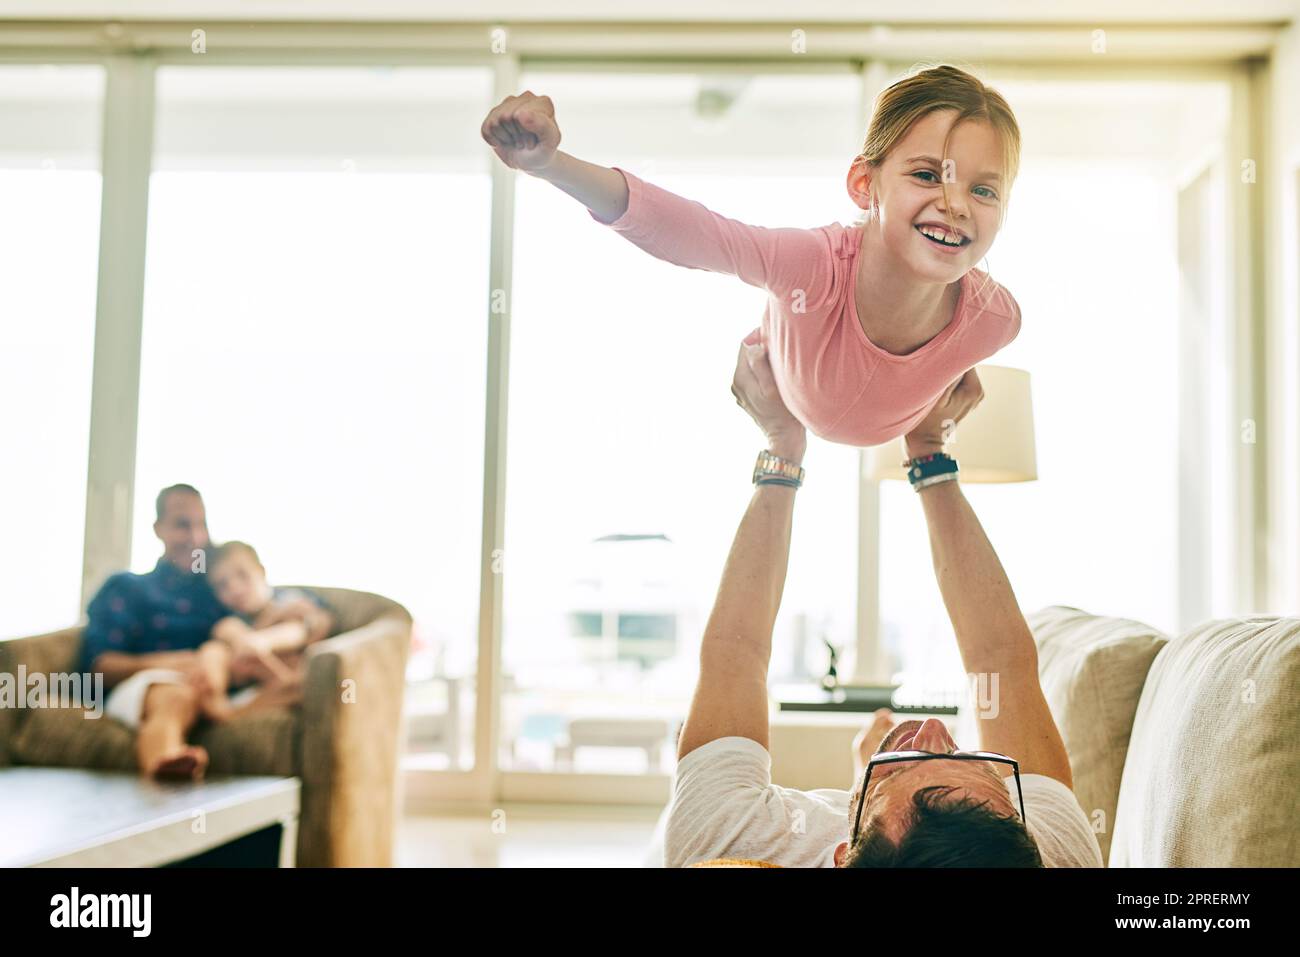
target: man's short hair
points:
(160, 503)
(223, 551)
(957, 832)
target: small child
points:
(257, 651)
(866, 325)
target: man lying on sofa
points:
(918, 810)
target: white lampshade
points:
(994, 443)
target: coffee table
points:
(72, 817)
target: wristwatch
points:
(773, 469)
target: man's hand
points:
(755, 390)
(299, 609)
(258, 664)
(316, 620)
(198, 679)
(932, 433)
(185, 662)
(522, 131)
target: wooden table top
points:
(81, 817)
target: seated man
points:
(260, 645)
(143, 632)
(917, 812)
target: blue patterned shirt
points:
(167, 609)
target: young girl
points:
(866, 325)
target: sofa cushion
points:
(1092, 669)
(1213, 769)
(263, 742)
(66, 738)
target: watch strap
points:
(770, 466)
(939, 465)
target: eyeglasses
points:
(895, 757)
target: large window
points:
(49, 241)
(629, 459)
(315, 341)
(315, 357)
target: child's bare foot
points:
(188, 764)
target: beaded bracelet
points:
(922, 459)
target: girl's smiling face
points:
(908, 188)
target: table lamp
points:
(994, 443)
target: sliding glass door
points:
(49, 241)
(629, 460)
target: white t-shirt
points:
(725, 805)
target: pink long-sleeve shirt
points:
(835, 380)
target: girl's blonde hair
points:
(943, 87)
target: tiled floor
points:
(525, 838)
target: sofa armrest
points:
(351, 721)
(50, 653)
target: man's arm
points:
(254, 650)
(288, 635)
(992, 634)
(314, 616)
(266, 638)
(117, 666)
(731, 694)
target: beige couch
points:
(342, 740)
(1185, 751)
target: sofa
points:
(1185, 750)
(341, 740)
